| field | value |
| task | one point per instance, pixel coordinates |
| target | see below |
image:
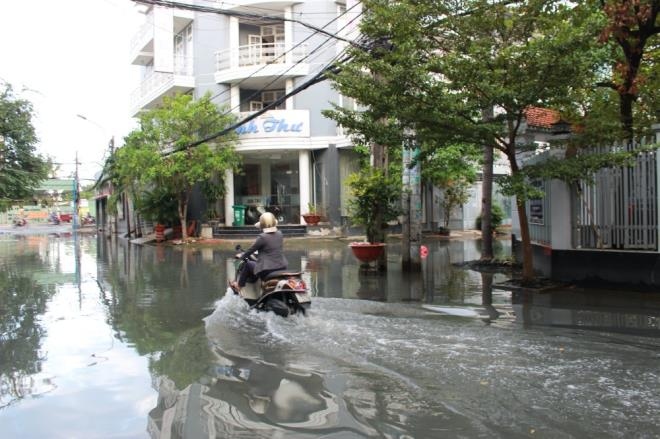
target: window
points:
(183, 49)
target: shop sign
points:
(277, 123)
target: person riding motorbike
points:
(270, 258)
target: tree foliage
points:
(631, 30)
(438, 67)
(21, 168)
(154, 162)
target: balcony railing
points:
(159, 82)
(258, 54)
(147, 28)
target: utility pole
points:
(412, 206)
(76, 197)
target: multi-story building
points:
(248, 55)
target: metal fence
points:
(619, 209)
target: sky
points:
(70, 58)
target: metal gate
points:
(619, 209)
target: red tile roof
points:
(541, 117)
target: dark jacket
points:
(271, 257)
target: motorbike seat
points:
(281, 274)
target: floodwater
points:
(100, 339)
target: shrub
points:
(496, 217)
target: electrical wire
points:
(245, 15)
(266, 9)
(332, 67)
(290, 50)
(277, 78)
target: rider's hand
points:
(238, 255)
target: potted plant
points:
(312, 216)
(376, 199)
(160, 207)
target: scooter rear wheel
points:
(278, 307)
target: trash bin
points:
(239, 215)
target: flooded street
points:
(101, 339)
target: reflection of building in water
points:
(637, 313)
(245, 398)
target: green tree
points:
(446, 64)
(453, 169)
(375, 195)
(21, 169)
(631, 28)
(154, 155)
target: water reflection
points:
(143, 340)
(244, 397)
(612, 311)
(22, 301)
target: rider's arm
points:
(258, 244)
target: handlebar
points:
(240, 253)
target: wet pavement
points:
(104, 339)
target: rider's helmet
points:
(267, 222)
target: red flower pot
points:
(311, 218)
(367, 251)
(160, 232)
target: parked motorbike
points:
(20, 222)
(88, 219)
(283, 292)
(54, 218)
(253, 213)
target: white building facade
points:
(248, 55)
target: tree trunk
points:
(528, 255)
(528, 261)
(127, 215)
(487, 205)
(626, 114)
(379, 160)
(183, 212)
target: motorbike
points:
(87, 220)
(283, 292)
(20, 222)
(252, 213)
(54, 218)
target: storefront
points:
(276, 168)
(270, 182)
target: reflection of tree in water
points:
(372, 287)
(187, 360)
(22, 301)
(501, 248)
(148, 303)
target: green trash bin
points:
(239, 215)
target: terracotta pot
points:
(160, 232)
(367, 251)
(311, 218)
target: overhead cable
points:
(247, 15)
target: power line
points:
(265, 87)
(290, 50)
(332, 67)
(247, 15)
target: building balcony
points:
(142, 43)
(157, 21)
(159, 84)
(259, 62)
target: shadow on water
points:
(443, 353)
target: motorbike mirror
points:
(238, 247)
